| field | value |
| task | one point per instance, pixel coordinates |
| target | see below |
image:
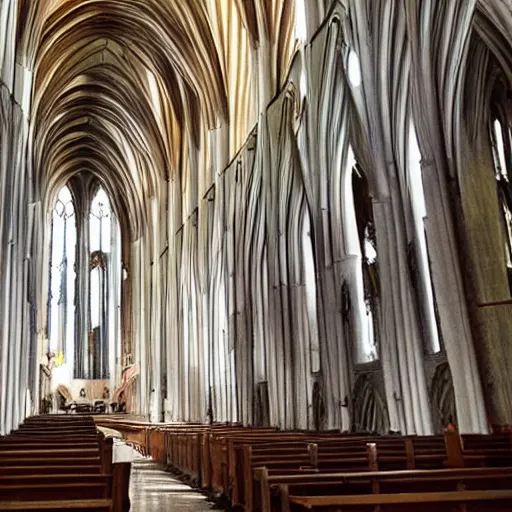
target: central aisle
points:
(153, 490)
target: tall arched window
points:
(418, 259)
(311, 292)
(301, 29)
(104, 284)
(61, 318)
(369, 279)
(502, 142)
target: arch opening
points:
(84, 304)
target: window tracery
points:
(417, 252)
(104, 279)
(501, 148)
(61, 321)
(368, 351)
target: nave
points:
(268, 241)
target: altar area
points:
(94, 395)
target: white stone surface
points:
(152, 490)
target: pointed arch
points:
(442, 398)
(369, 413)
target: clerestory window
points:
(502, 142)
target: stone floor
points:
(154, 490)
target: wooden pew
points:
(225, 445)
(478, 450)
(57, 476)
(327, 455)
(62, 453)
(376, 482)
(464, 501)
(74, 485)
(48, 491)
(218, 463)
(51, 468)
(224, 458)
(57, 506)
(391, 454)
(32, 486)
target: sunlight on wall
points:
(62, 278)
(354, 69)
(419, 212)
(303, 84)
(311, 293)
(155, 95)
(501, 164)
(99, 227)
(301, 29)
(365, 349)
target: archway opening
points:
(61, 296)
(84, 305)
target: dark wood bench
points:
(38, 471)
(478, 451)
(8, 444)
(267, 485)
(224, 458)
(72, 486)
(50, 468)
(352, 455)
(495, 500)
(102, 505)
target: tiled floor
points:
(154, 490)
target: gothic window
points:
(371, 285)
(369, 412)
(311, 292)
(61, 317)
(301, 29)
(104, 281)
(417, 254)
(354, 69)
(318, 404)
(442, 398)
(369, 281)
(502, 141)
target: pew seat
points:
(496, 500)
(48, 491)
(60, 453)
(268, 486)
(68, 478)
(50, 461)
(50, 468)
(54, 447)
(102, 505)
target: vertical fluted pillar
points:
(452, 306)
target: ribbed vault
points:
(94, 110)
(121, 87)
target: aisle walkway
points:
(154, 490)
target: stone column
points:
(82, 293)
(453, 311)
(156, 348)
(401, 346)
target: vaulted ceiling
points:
(123, 89)
(129, 91)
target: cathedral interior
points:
(286, 213)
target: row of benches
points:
(58, 462)
(260, 469)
